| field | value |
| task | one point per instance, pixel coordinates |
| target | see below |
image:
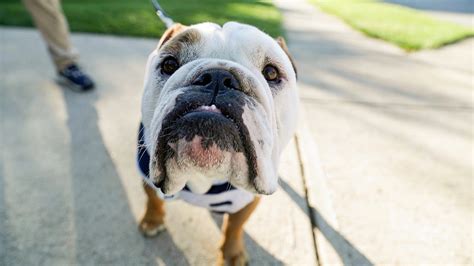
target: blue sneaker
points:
(73, 78)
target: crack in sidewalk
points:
(311, 214)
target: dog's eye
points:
(169, 65)
(270, 73)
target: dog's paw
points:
(240, 259)
(151, 228)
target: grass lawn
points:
(405, 27)
(137, 17)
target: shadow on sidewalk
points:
(104, 227)
(257, 254)
(348, 253)
(3, 218)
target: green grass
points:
(410, 29)
(137, 17)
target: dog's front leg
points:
(232, 250)
(153, 221)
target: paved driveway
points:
(454, 6)
(458, 11)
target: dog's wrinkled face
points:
(219, 103)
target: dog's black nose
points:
(217, 79)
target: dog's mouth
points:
(202, 140)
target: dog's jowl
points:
(219, 105)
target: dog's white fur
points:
(271, 120)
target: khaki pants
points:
(50, 21)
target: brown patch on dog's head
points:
(170, 33)
(178, 36)
(281, 41)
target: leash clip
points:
(162, 15)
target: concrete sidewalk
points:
(394, 131)
(70, 192)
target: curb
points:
(323, 217)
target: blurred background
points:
(380, 172)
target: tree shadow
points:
(335, 81)
(343, 58)
(104, 226)
(348, 253)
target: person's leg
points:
(50, 21)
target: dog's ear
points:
(170, 33)
(281, 41)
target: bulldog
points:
(218, 107)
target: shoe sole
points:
(64, 82)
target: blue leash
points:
(162, 15)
